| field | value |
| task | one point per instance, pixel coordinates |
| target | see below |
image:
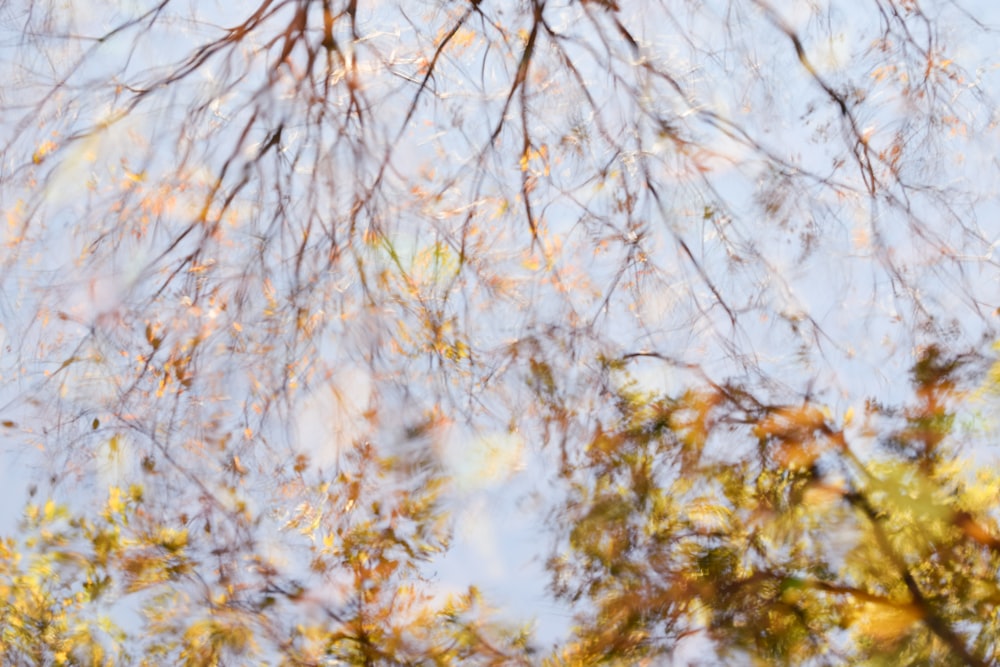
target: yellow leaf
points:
(115, 505)
(886, 623)
(44, 149)
(172, 539)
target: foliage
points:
(809, 546)
(65, 580)
(290, 288)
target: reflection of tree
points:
(791, 548)
(356, 599)
(264, 265)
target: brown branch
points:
(934, 622)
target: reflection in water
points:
(449, 333)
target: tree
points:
(776, 530)
(267, 266)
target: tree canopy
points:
(296, 294)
